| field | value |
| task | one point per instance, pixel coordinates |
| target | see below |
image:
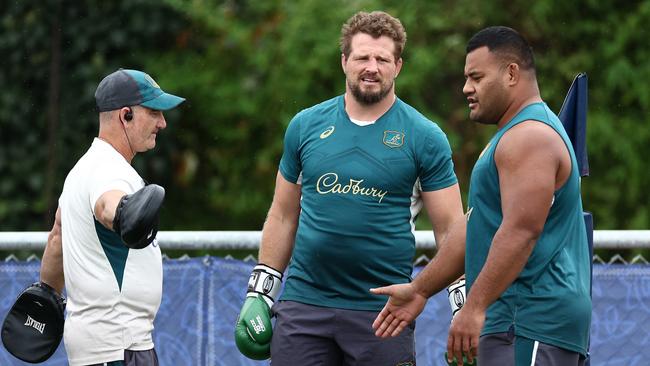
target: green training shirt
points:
(360, 196)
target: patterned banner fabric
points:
(202, 298)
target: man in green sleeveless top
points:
(527, 261)
(355, 172)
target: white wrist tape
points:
(265, 281)
(456, 295)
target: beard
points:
(369, 97)
(482, 118)
(491, 107)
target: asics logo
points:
(328, 131)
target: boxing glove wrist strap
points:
(265, 281)
(456, 294)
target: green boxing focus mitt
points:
(136, 216)
(253, 330)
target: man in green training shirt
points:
(355, 171)
(527, 261)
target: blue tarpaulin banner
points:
(573, 115)
(202, 298)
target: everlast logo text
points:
(329, 183)
(34, 324)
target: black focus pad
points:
(33, 327)
(136, 216)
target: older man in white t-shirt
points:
(104, 231)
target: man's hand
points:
(464, 333)
(136, 216)
(33, 328)
(403, 306)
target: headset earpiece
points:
(128, 115)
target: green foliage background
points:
(246, 67)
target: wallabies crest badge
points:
(151, 81)
(393, 138)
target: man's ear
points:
(398, 66)
(513, 73)
(125, 115)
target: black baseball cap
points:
(124, 88)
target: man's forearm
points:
(447, 265)
(52, 262)
(278, 237)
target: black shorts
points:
(507, 349)
(135, 358)
(313, 335)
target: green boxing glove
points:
(253, 330)
(465, 363)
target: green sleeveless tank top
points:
(550, 300)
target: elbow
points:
(54, 240)
(54, 235)
(107, 218)
(283, 214)
(530, 237)
(532, 232)
(522, 233)
(104, 215)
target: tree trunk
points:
(53, 109)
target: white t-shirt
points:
(113, 292)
